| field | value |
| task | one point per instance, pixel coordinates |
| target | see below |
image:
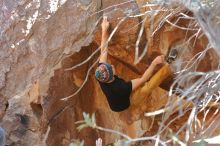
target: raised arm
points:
(147, 74)
(104, 46)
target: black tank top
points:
(118, 93)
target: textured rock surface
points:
(37, 35)
(21, 122)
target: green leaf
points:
(73, 144)
(84, 115)
(93, 119)
(201, 143)
(82, 143)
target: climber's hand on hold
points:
(158, 60)
(105, 24)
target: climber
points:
(116, 89)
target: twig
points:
(113, 6)
(137, 58)
(114, 132)
(86, 79)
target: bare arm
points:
(104, 48)
(147, 74)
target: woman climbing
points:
(116, 89)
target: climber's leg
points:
(139, 96)
(138, 104)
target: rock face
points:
(35, 35)
(41, 39)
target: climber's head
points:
(105, 73)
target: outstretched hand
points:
(105, 24)
(158, 60)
